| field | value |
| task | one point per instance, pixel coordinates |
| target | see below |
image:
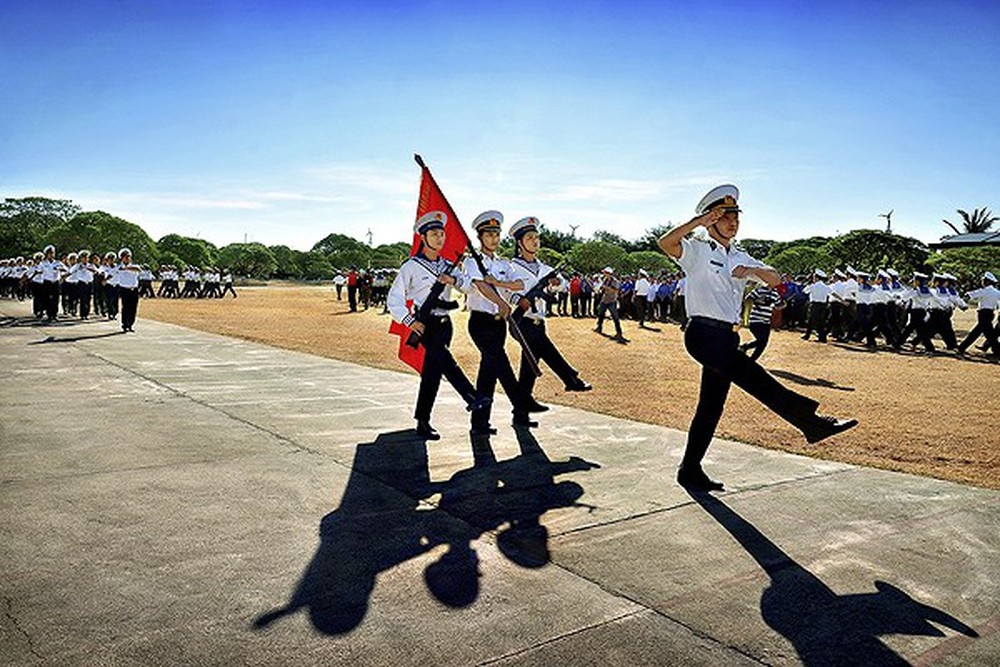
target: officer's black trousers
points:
(130, 304)
(544, 350)
(717, 350)
(438, 362)
(918, 325)
(984, 327)
(489, 334)
(83, 291)
(50, 290)
(940, 324)
(817, 320)
(111, 300)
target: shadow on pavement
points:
(74, 339)
(383, 521)
(810, 382)
(827, 628)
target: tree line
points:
(28, 224)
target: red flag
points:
(456, 241)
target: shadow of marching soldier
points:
(383, 521)
(376, 527)
(826, 628)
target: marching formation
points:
(75, 281)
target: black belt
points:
(483, 315)
(715, 324)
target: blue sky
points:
(282, 122)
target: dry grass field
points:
(928, 415)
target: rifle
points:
(432, 301)
(536, 292)
(515, 329)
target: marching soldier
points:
(489, 308)
(85, 283)
(127, 280)
(819, 294)
(920, 300)
(413, 283)
(717, 273)
(530, 272)
(988, 298)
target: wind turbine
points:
(888, 220)
(572, 230)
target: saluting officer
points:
(717, 273)
(528, 270)
(489, 307)
(413, 283)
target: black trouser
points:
(640, 308)
(100, 303)
(544, 350)
(50, 298)
(884, 324)
(352, 297)
(716, 348)
(37, 298)
(83, 291)
(918, 325)
(984, 327)
(438, 362)
(613, 309)
(489, 334)
(817, 320)
(130, 304)
(761, 334)
(940, 324)
(111, 300)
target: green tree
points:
(556, 240)
(289, 262)
(390, 255)
(967, 264)
(315, 266)
(653, 262)
(758, 248)
(25, 223)
(343, 251)
(649, 241)
(799, 260)
(592, 256)
(871, 250)
(248, 259)
(192, 251)
(980, 220)
(102, 232)
(64, 209)
(551, 257)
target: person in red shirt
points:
(574, 295)
(352, 289)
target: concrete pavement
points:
(174, 497)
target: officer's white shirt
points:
(110, 275)
(51, 270)
(866, 294)
(529, 273)
(414, 281)
(70, 274)
(83, 273)
(819, 292)
(126, 277)
(850, 292)
(988, 297)
(710, 290)
(919, 299)
(496, 266)
(641, 287)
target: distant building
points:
(967, 240)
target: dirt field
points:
(929, 415)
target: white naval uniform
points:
(711, 291)
(413, 283)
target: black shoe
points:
(479, 403)
(697, 480)
(535, 406)
(426, 431)
(579, 385)
(828, 426)
(523, 422)
(482, 430)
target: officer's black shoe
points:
(826, 427)
(535, 406)
(697, 480)
(579, 385)
(426, 431)
(482, 430)
(478, 403)
(522, 421)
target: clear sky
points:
(281, 122)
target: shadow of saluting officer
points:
(827, 628)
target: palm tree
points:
(978, 222)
